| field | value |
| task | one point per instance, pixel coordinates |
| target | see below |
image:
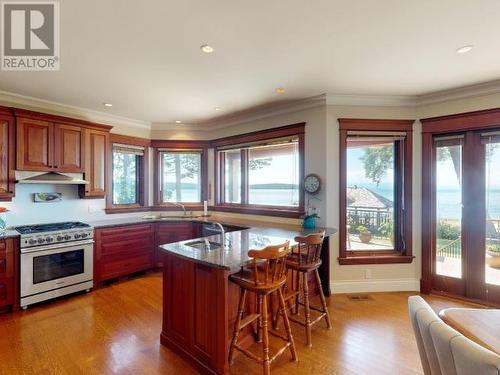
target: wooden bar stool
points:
(306, 258)
(265, 275)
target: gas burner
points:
(33, 236)
(51, 227)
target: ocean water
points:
(275, 197)
(449, 202)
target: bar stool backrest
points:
(309, 248)
(268, 263)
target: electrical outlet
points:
(368, 274)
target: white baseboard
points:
(371, 285)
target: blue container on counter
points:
(309, 222)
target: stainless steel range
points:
(56, 259)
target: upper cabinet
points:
(7, 152)
(68, 148)
(50, 143)
(35, 145)
(96, 163)
(48, 146)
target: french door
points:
(461, 213)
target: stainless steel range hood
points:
(24, 177)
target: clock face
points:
(312, 183)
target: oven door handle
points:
(36, 249)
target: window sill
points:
(124, 209)
(375, 259)
(264, 211)
(168, 207)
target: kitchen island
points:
(199, 301)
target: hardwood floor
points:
(116, 330)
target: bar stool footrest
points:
(248, 320)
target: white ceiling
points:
(144, 57)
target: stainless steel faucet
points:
(222, 233)
(181, 205)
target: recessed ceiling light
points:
(107, 104)
(280, 90)
(178, 121)
(464, 49)
(207, 48)
(217, 108)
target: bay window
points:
(128, 173)
(261, 172)
(180, 173)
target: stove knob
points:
(67, 237)
(41, 240)
(60, 238)
(32, 241)
(77, 236)
(84, 235)
(49, 239)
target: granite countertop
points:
(9, 233)
(235, 253)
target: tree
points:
(377, 161)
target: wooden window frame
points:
(157, 145)
(377, 257)
(143, 174)
(294, 130)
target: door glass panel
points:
(449, 208)
(57, 266)
(492, 165)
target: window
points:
(375, 191)
(261, 173)
(180, 173)
(129, 168)
(126, 165)
(180, 176)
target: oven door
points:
(51, 267)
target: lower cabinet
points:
(123, 250)
(9, 274)
(174, 232)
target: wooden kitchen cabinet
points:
(96, 163)
(47, 146)
(122, 250)
(7, 155)
(35, 144)
(9, 274)
(68, 148)
(174, 232)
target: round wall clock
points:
(312, 183)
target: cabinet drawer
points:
(124, 267)
(6, 291)
(124, 232)
(126, 248)
(169, 233)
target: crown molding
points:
(371, 100)
(486, 88)
(262, 112)
(55, 108)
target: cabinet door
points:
(96, 150)
(68, 148)
(7, 138)
(34, 145)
